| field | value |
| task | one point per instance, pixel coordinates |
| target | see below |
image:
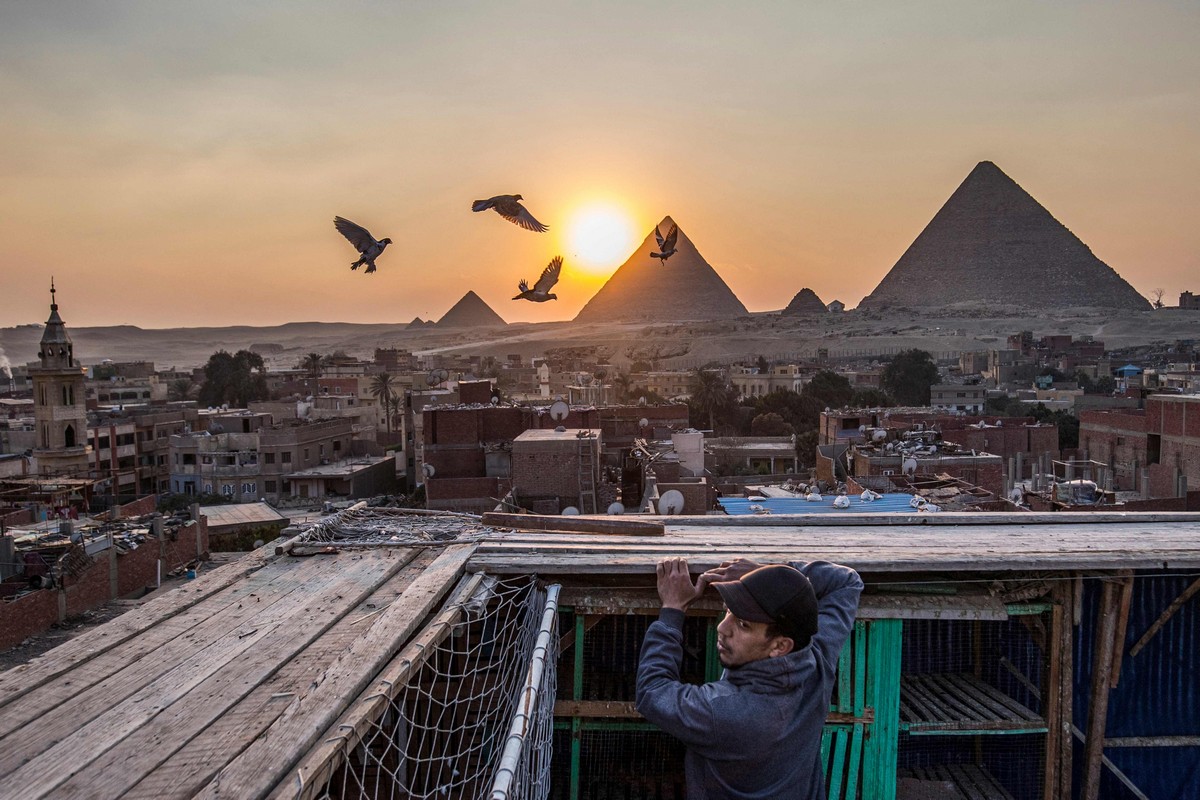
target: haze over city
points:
(181, 165)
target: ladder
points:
(587, 473)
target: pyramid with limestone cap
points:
(471, 312)
(645, 289)
(993, 244)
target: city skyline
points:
(182, 166)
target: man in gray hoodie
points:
(756, 733)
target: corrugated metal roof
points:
(888, 504)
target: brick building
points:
(1155, 451)
(557, 468)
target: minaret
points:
(59, 401)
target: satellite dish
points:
(643, 423)
(570, 511)
(432, 378)
(671, 502)
(429, 470)
(558, 412)
(600, 374)
(495, 401)
(616, 508)
(909, 466)
(642, 400)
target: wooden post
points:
(1125, 599)
(1057, 694)
(1102, 658)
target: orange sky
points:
(180, 164)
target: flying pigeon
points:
(507, 206)
(363, 242)
(540, 292)
(666, 244)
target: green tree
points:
(383, 386)
(908, 376)
(762, 366)
(770, 424)
(711, 396)
(234, 379)
(829, 389)
(870, 397)
(181, 389)
(801, 411)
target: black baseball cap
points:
(775, 593)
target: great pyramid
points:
(471, 312)
(993, 244)
(805, 302)
(644, 289)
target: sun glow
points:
(600, 236)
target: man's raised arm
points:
(837, 589)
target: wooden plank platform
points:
(954, 543)
(961, 703)
(243, 668)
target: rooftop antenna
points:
(558, 412)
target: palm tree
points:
(383, 387)
(181, 389)
(314, 363)
(709, 394)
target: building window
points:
(270, 487)
(208, 488)
(287, 457)
(249, 488)
(269, 458)
(337, 445)
(306, 454)
(227, 489)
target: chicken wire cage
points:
(474, 718)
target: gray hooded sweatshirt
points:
(756, 733)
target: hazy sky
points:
(180, 163)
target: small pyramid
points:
(416, 324)
(805, 302)
(993, 244)
(471, 312)
(645, 289)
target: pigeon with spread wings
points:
(666, 244)
(368, 249)
(509, 207)
(540, 292)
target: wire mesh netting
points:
(475, 718)
(970, 706)
(357, 526)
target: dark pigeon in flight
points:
(540, 292)
(368, 249)
(666, 244)
(509, 207)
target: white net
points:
(474, 718)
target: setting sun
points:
(599, 237)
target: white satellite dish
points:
(570, 511)
(643, 423)
(909, 466)
(429, 470)
(558, 412)
(616, 508)
(671, 502)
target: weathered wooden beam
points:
(262, 766)
(1126, 598)
(1102, 659)
(1170, 610)
(613, 526)
(1153, 741)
